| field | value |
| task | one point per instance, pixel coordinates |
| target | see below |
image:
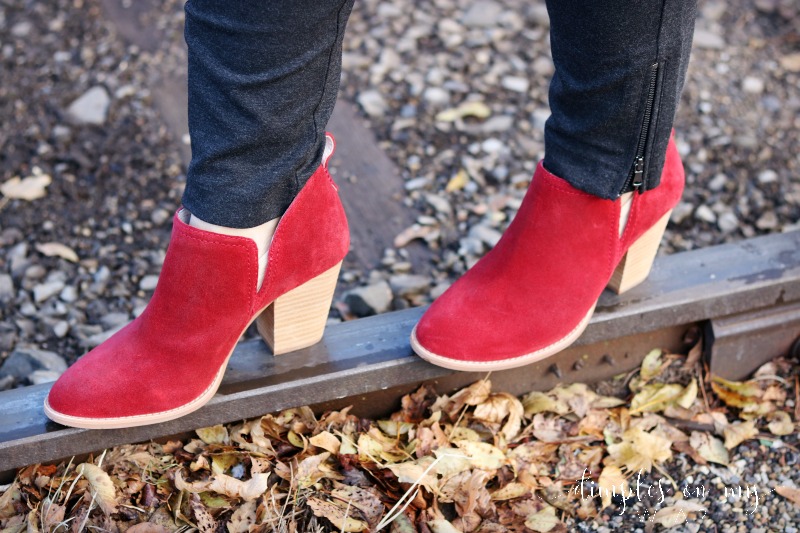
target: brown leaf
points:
(242, 518)
(147, 527)
(780, 423)
(790, 493)
(791, 62)
(711, 448)
(365, 500)
(344, 518)
(739, 432)
(227, 485)
(205, 522)
(213, 435)
(101, 486)
(678, 513)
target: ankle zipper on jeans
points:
(637, 179)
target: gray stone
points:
(91, 107)
(767, 176)
(753, 85)
(704, 213)
(681, 212)
(37, 377)
(369, 300)
(6, 288)
(69, 294)
(515, 83)
(497, 123)
(706, 39)
(439, 289)
(43, 291)
(372, 103)
(537, 13)
(718, 182)
(492, 146)
(148, 283)
(60, 329)
(21, 29)
(99, 338)
(482, 14)
(485, 234)
(24, 361)
(409, 284)
(113, 320)
(441, 205)
(767, 221)
(539, 117)
(436, 96)
(543, 66)
(728, 222)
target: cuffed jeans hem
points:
(224, 207)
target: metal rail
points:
(743, 294)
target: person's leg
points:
(263, 78)
(595, 211)
(620, 69)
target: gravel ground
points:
(79, 111)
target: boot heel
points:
(297, 319)
(635, 265)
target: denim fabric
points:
(263, 78)
(603, 53)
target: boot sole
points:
(512, 362)
(316, 285)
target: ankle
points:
(261, 235)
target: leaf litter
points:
(473, 461)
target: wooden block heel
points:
(297, 319)
(635, 265)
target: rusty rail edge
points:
(369, 363)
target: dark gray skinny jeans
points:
(263, 78)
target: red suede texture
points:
(534, 287)
(206, 296)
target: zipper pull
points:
(638, 173)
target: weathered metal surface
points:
(742, 342)
(359, 359)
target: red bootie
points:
(533, 294)
(170, 360)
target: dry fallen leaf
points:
(101, 486)
(227, 485)
(327, 441)
(147, 527)
(710, 448)
(467, 109)
(790, 493)
(213, 435)
(675, 515)
(639, 450)
(791, 62)
(780, 423)
(611, 481)
(30, 188)
(457, 182)
(341, 517)
(56, 249)
(738, 432)
(543, 521)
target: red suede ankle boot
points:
(170, 360)
(533, 294)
